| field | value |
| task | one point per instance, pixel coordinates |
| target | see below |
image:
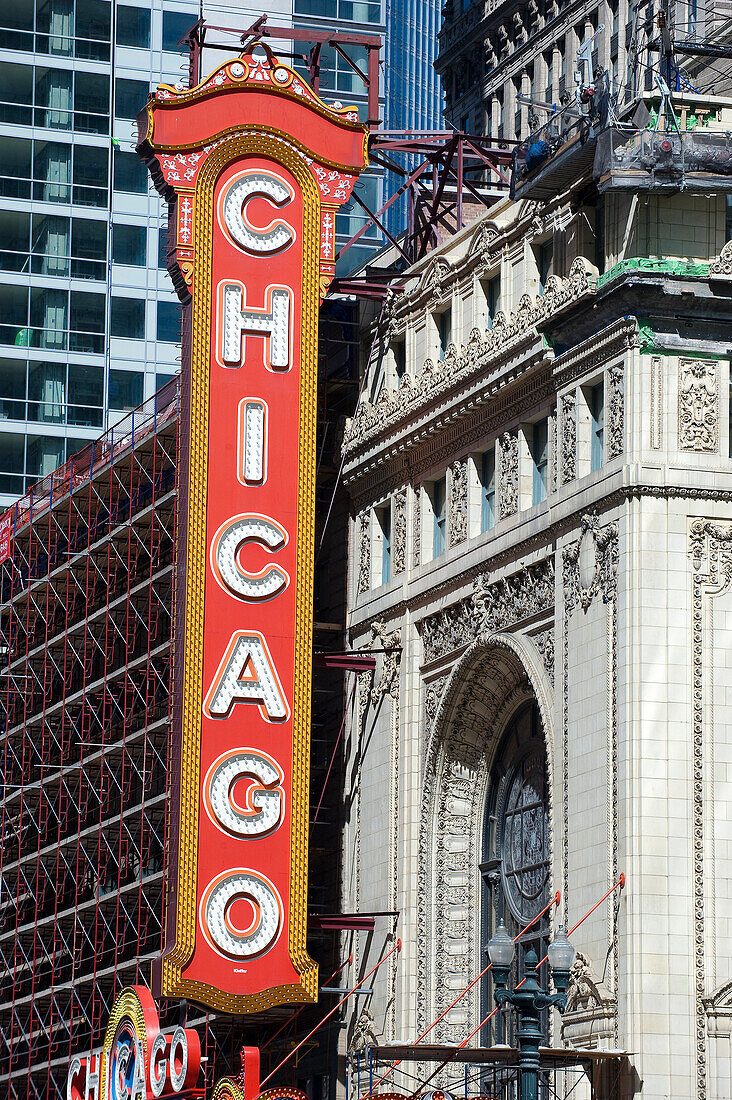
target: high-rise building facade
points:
(506, 67)
(89, 322)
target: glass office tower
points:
(89, 323)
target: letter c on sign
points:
(75, 1067)
(238, 885)
(228, 570)
(273, 237)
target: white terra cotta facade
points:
(586, 568)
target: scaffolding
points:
(86, 653)
(86, 598)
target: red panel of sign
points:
(254, 167)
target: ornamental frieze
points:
(492, 606)
(483, 348)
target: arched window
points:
(515, 868)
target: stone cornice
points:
(485, 354)
(475, 411)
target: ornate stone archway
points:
(495, 675)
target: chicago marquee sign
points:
(253, 166)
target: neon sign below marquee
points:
(254, 167)
(137, 1061)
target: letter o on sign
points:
(178, 1059)
(218, 926)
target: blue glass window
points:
(540, 460)
(488, 490)
(597, 426)
(439, 512)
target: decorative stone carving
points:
(432, 697)
(615, 410)
(364, 1035)
(438, 279)
(519, 30)
(569, 437)
(723, 263)
(458, 501)
(459, 365)
(417, 528)
(388, 680)
(710, 549)
(590, 565)
(486, 233)
(492, 606)
(364, 552)
(584, 988)
(588, 1019)
(488, 684)
(399, 531)
(544, 642)
(698, 405)
(389, 324)
(508, 478)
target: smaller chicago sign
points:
(137, 1061)
(254, 167)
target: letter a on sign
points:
(254, 166)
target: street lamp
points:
(528, 998)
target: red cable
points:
(620, 883)
(554, 901)
(303, 1007)
(397, 947)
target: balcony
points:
(645, 147)
(663, 160)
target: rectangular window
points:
(545, 262)
(125, 389)
(488, 489)
(130, 96)
(162, 380)
(444, 330)
(169, 318)
(163, 248)
(540, 460)
(129, 244)
(176, 25)
(384, 517)
(492, 292)
(399, 349)
(597, 425)
(133, 27)
(439, 514)
(127, 318)
(130, 174)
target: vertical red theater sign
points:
(254, 166)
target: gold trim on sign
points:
(206, 88)
(265, 131)
(173, 982)
(126, 1003)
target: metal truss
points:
(441, 179)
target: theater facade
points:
(540, 549)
